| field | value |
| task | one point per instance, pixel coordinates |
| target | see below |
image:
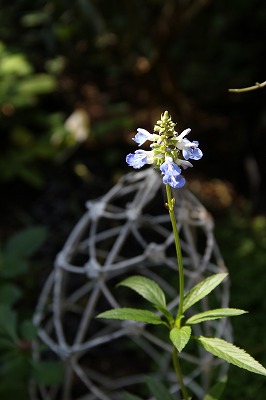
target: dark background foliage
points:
(122, 63)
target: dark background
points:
(121, 64)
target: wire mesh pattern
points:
(125, 232)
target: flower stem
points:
(170, 202)
(179, 375)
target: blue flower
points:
(191, 150)
(176, 182)
(142, 136)
(171, 173)
(168, 167)
(139, 158)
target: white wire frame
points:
(120, 235)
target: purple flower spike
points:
(142, 136)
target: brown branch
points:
(248, 89)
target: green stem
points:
(170, 203)
(179, 375)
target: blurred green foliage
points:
(15, 262)
(177, 55)
(17, 333)
(20, 86)
(17, 366)
(20, 90)
(242, 239)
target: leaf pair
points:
(216, 346)
(151, 292)
(180, 335)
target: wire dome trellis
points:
(125, 232)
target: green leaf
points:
(232, 354)
(15, 363)
(8, 323)
(158, 390)
(47, 372)
(132, 314)
(9, 293)
(216, 391)
(214, 314)
(28, 330)
(37, 84)
(26, 242)
(31, 176)
(180, 336)
(34, 19)
(13, 265)
(202, 289)
(10, 387)
(15, 64)
(7, 344)
(147, 288)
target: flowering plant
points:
(166, 148)
(169, 153)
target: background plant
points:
(17, 332)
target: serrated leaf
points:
(132, 314)
(180, 336)
(202, 289)
(214, 314)
(232, 354)
(157, 389)
(147, 288)
(216, 391)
